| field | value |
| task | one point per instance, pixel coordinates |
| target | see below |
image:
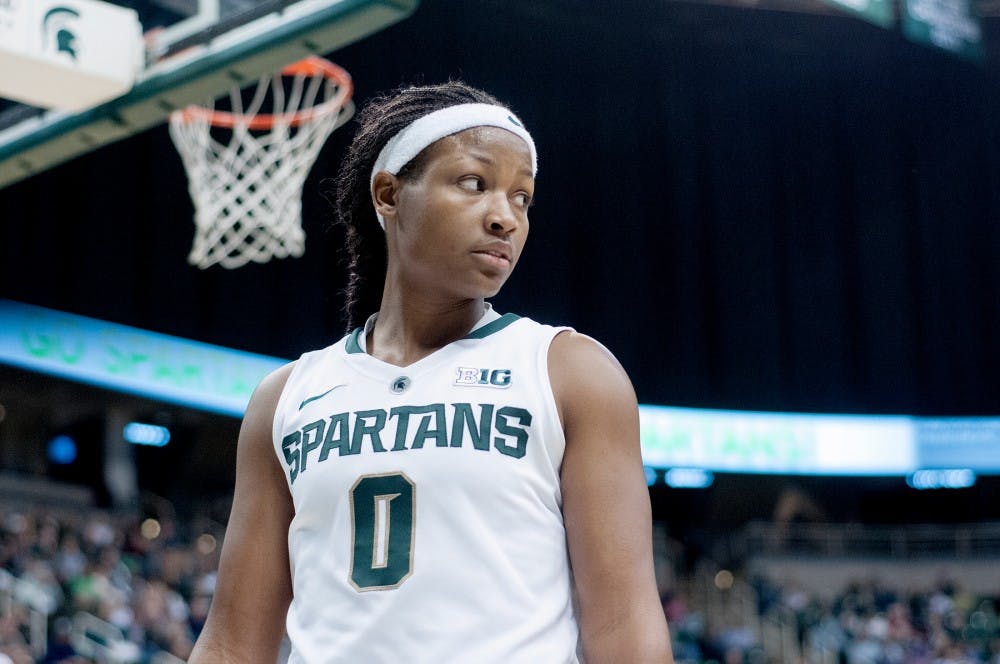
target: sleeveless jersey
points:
(428, 523)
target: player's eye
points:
(522, 199)
(472, 183)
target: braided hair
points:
(350, 192)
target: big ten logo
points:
(483, 377)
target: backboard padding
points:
(193, 77)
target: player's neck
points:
(411, 327)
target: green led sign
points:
(948, 24)
(694, 442)
(130, 360)
(793, 443)
(879, 12)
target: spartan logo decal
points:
(483, 377)
(56, 30)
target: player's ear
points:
(385, 190)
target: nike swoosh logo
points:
(320, 396)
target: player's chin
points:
(488, 285)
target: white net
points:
(247, 191)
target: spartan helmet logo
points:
(399, 385)
(56, 30)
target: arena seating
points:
(86, 585)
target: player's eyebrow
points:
(490, 160)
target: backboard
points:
(195, 50)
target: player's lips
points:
(498, 252)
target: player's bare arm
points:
(246, 622)
(606, 506)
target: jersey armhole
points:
(299, 366)
(548, 393)
(277, 418)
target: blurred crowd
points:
(77, 573)
(869, 623)
(865, 623)
(91, 586)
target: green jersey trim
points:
(353, 344)
(353, 341)
(492, 328)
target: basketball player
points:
(445, 483)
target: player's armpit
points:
(246, 620)
(606, 506)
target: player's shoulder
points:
(517, 325)
(270, 387)
(312, 360)
(586, 378)
(566, 347)
(579, 351)
(292, 374)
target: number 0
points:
(382, 541)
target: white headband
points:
(416, 136)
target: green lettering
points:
(289, 447)
(362, 428)
(43, 344)
(464, 420)
(337, 436)
(520, 433)
(402, 415)
(121, 360)
(424, 431)
(312, 435)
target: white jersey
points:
(428, 523)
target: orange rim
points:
(311, 66)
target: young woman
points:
(443, 484)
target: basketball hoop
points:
(247, 191)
